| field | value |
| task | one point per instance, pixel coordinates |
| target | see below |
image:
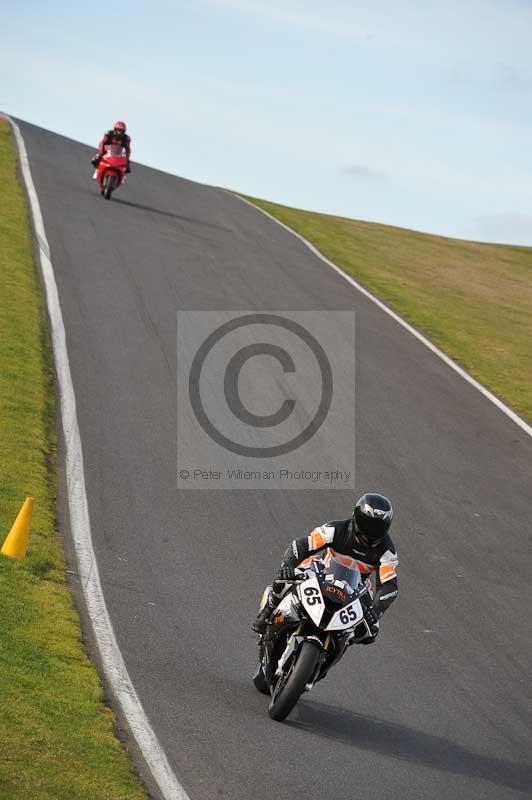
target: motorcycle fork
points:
(319, 674)
(326, 643)
(266, 655)
(297, 631)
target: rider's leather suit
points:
(120, 139)
(380, 561)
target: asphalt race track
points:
(440, 706)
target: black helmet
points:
(372, 517)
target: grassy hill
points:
(472, 300)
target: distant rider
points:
(365, 538)
(116, 136)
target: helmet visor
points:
(371, 528)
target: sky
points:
(416, 113)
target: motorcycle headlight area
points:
(344, 585)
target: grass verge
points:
(473, 300)
(57, 737)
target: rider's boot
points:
(264, 614)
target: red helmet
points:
(120, 127)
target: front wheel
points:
(291, 686)
(110, 182)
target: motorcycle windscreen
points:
(341, 571)
(115, 150)
(341, 584)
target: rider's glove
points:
(95, 161)
(371, 616)
(128, 168)
(286, 574)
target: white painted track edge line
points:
(450, 363)
(112, 661)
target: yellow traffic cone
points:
(17, 539)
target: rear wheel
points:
(109, 185)
(291, 686)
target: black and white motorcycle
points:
(309, 630)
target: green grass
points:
(57, 738)
(474, 301)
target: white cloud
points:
(309, 15)
(362, 171)
(507, 77)
(453, 29)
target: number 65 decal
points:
(313, 595)
(348, 615)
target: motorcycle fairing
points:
(346, 617)
(311, 597)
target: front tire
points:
(109, 186)
(289, 689)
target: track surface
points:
(440, 706)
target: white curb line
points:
(450, 363)
(112, 661)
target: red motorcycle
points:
(111, 171)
